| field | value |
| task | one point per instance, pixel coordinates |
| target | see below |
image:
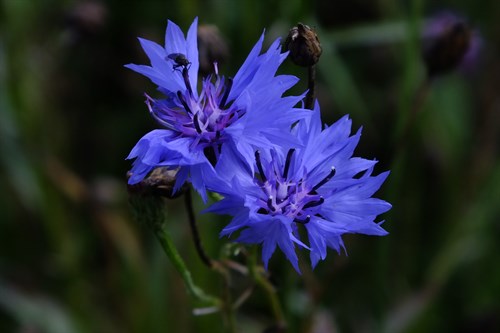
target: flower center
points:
(202, 118)
(285, 195)
(210, 113)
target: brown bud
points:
(304, 45)
(445, 49)
(160, 182)
(211, 47)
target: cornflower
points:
(317, 186)
(234, 115)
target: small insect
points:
(180, 60)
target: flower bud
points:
(304, 45)
(160, 182)
(448, 41)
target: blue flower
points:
(318, 186)
(228, 114)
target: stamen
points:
(183, 101)
(185, 76)
(196, 123)
(262, 211)
(226, 92)
(210, 155)
(287, 163)
(270, 203)
(149, 103)
(324, 181)
(259, 166)
(217, 135)
(307, 219)
(311, 204)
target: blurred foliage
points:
(73, 258)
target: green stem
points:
(172, 253)
(268, 288)
(418, 102)
(150, 210)
(215, 265)
(229, 309)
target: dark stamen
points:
(324, 181)
(270, 203)
(210, 155)
(217, 135)
(262, 211)
(314, 203)
(259, 166)
(226, 92)
(185, 76)
(183, 101)
(287, 163)
(196, 123)
(308, 218)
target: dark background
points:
(72, 257)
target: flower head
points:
(228, 114)
(303, 43)
(450, 43)
(318, 186)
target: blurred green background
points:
(72, 257)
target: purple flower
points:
(450, 43)
(317, 186)
(228, 114)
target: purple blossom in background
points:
(450, 42)
(233, 115)
(318, 186)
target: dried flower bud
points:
(448, 40)
(304, 45)
(211, 47)
(160, 182)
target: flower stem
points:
(150, 210)
(269, 289)
(311, 84)
(188, 200)
(226, 306)
(172, 253)
(419, 97)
